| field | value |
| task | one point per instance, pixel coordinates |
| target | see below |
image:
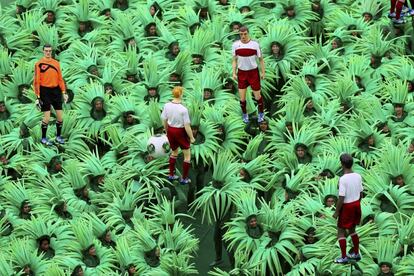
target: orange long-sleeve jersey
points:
(48, 74)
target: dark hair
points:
(47, 45)
(243, 29)
(346, 160)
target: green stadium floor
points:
(206, 254)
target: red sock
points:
(172, 161)
(243, 106)
(355, 240)
(342, 245)
(398, 9)
(186, 168)
(393, 3)
(260, 105)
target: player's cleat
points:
(341, 260)
(391, 15)
(261, 117)
(185, 181)
(173, 177)
(60, 140)
(246, 118)
(398, 21)
(354, 256)
(46, 142)
(410, 12)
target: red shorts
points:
(250, 77)
(178, 138)
(350, 215)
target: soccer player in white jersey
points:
(177, 125)
(245, 70)
(348, 209)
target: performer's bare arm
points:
(339, 205)
(234, 64)
(262, 67)
(189, 132)
(165, 123)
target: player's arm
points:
(61, 81)
(234, 65)
(165, 123)
(36, 81)
(262, 67)
(339, 205)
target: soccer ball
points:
(158, 146)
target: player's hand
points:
(263, 75)
(38, 103)
(65, 98)
(234, 76)
(192, 140)
(335, 215)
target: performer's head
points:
(346, 161)
(47, 50)
(411, 147)
(244, 34)
(177, 92)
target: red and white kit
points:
(177, 116)
(248, 72)
(350, 186)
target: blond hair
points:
(177, 91)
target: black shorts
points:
(51, 97)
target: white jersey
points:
(246, 54)
(176, 115)
(350, 187)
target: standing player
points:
(245, 52)
(177, 125)
(348, 209)
(49, 88)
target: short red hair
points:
(177, 91)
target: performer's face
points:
(309, 104)
(152, 31)
(152, 92)
(244, 36)
(399, 180)
(50, 17)
(235, 27)
(2, 107)
(367, 17)
(300, 152)
(131, 270)
(3, 159)
(26, 208)
(334, 44)
(44, 245)
(130, 119)
(275, 49)
(98, 105)
(385, 268)
(108, 14)
(330, 201)
(290, 128)
(92, 251)
(108, 236)
(47, 51)
(175, 49)
(371, 141)
(411, 148)
(245, 10)
(398, 110)
(253, 222)
(263, 126)
(410, 86)
(290, 12)
(152, 10)
(308, 81)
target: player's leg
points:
(45, 108)
(186, 166)
(172, 139)
(243, 104)
(254, 81)
(398, 8)
(242, 82)
(342, 244)
(59, 125)
(355, 240)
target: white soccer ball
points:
(158, 146)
